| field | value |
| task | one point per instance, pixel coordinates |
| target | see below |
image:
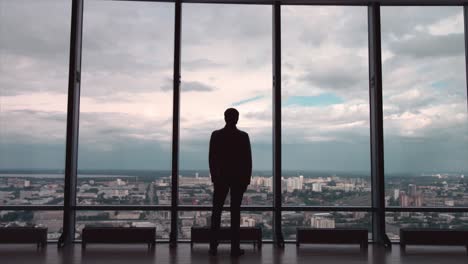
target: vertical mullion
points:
(465, 18)
(277, 230)
(175, 124)
(376, 125)
(73, 112)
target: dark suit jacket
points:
(230, 157)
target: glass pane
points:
(189, 219)
(34, 51)
(293, 220)
(325, 106)
(425, 106)
(53, 220)
(126, 103)
(395, 221)
(159, 219)
(226, 62)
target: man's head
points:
(231, 116)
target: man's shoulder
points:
(215, 132)
(243, 133)
(223, 131)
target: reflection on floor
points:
(133, 254)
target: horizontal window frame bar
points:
(328, 208)
(319, 2)
(122, 207)
(381, 2)
(240, 2)
(32, 207)
(259, 208)
(225, 208)
(80, 241)
(188, 241)
(163, 208)
(163, 1)
(428, 209)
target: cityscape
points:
(195, 188)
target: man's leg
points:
(219, 195)
(237, 193)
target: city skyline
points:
(195, 189)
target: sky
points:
(126, 90)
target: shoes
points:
(237, 253)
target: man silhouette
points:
(230, 161)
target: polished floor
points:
(133, 254)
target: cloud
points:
(333, 76)
(126, 104)
(400, 21)
(101, 128)
(319, 100)
(46, 40)
(345, 26)
(189, 86)
(140, 42)
(128, 42)
(216, 19)
(200, 64)
(195, 86)
(332, 58)
(30, 127)
(260, 115)
(248, 100)
(426, 45)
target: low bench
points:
(419, 236)
(246, 234)
(119, 235)
(332, 236)
(24, 235)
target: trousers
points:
(219, 196)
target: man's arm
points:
(249, 159)
(213, 159)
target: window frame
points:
(376, 153)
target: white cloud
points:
(227, 53)
(449, 25)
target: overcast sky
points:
(126, 91)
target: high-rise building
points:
(412, 190)
(396, 194)
(404, 199)
(418, 200)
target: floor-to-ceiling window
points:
(34, 50)
(226, 61)
(325, 115)
(127, 107)
(425, 115)
(126, 111)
